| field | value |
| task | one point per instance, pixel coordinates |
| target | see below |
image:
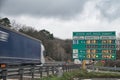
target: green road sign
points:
(94, 45)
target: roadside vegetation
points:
(81, 74)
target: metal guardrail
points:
(108, 68)
(12, 72)
(103, 68)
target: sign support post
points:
(84, 64)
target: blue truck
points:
(18, 48)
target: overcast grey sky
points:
(62, 17)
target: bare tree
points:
(16, 26)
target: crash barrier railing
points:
(104, 68)
(19, 72)
(108, 68)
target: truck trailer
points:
(18, 48)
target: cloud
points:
(110, 9)
(94, 15)
(43, 8)
(1, 4)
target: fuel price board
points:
(94, 45)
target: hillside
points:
(57, 49)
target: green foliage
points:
(5, 22)
(99, 63)
(47, 34)
(81, 74)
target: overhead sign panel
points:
(94, 45)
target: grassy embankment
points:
(82, 74)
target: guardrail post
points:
(115, 67)
(68, 68)
(53, 69)
(21, 72)
(4, 74)
(40, 70)
(32, 71)
(63, 68)
(47, 69)
(73, 67)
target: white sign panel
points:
(75, 55)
